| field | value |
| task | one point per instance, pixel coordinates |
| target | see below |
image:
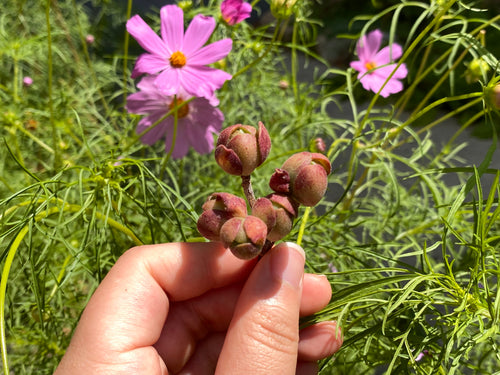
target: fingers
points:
(190, 321)
(129, 308)
(316, 294)
(263, 335)
(319, 341)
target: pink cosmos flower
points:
(197, 120)
(235, 11)
(178, 57)
(376, 66)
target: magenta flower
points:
(27, 81)
(235, 11)
(376, 66)
(197, 120)
(178, 57)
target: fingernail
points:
(287, 263)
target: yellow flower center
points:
(370, 65)
(177, 59)
(181, 111)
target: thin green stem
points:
(55, 138)
(303, 224)
(126, 40)
(174, 137)
(15, 82)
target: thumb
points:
(264, 332)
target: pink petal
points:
(211, 53)
(146, 102)
(168, 81)
(359, 66)
(197, 33)
(145, 36)
(368, 45)
(388, 54)
(149, 64)
(202, 80)
(172, 27)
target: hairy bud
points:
(278, 212)
(308, 173)
(242, 148)
(280, 181)
(219, 208)
(245, 236)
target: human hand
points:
(194, 308)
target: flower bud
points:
(318, 145)
(282, 9)
(242, 148)
(476, 69)
(280, 181)
(308, 176)
(278, 212)
(219, 208)
(493, 96)
(245, 236)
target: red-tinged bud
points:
(280, 181)
(245, 237)
(492, 93)
(319, 146)
(308, 173)
(264, 209)
(242, 148)
(219, 208)
(286, 210)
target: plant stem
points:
(55, 138)
(246, 184)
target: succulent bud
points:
(278, 212)
(242, 148)
(245, 236)
(219, 208)
(476, 70)
(280, 181)
(308, 173)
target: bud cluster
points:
(301, 180)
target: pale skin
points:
(194, 308)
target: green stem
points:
(126, 39)
(55, 142)
(302, 227)
(15, 82)
(174, 138)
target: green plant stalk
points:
(174, 139)
(15, 81)
(12, 252)
(55, 143)
(418, 75)
(303, 224)
(126, 40)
